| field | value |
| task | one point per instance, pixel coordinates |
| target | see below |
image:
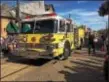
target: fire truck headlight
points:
(24, 39)
(61, 45)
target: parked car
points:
(106, 68)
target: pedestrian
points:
(91, 43)
(107, 46)
(102, 42)
(81, 42)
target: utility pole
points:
(69, 16)
(18, 13)
(70, 20)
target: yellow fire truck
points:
(79, 35)
(49, 36)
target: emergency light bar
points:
(51, 14)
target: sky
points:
(82, 12)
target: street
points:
(80, 67)
(44, 40)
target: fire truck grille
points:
(30, 45)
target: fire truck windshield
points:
(44, 26)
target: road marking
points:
(49, 70)
(17, 73)
(11, 68)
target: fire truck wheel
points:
(80, 47)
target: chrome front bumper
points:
(33, 53)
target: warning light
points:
(33, 39)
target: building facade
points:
(5, 19)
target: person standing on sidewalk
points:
(91, 43)
(103, 38)
(107, 46)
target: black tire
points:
(80, 48)
(66, 52)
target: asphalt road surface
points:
(80, 67)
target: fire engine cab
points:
(46, 36)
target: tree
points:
(82, 26)
(104, 9)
